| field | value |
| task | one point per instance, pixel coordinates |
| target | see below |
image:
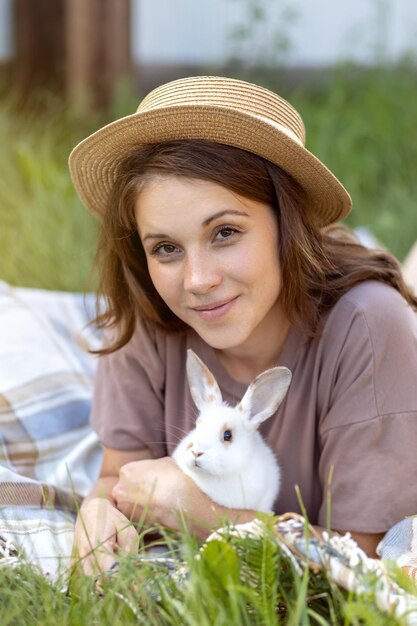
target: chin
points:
(222, 340)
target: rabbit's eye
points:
(227, 435)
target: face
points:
(212, 257)
(209, 451)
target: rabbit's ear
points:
(203, 386)
(265, 394)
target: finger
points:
(100, 559)
(97, 553)
(127, 539)
(128, 509)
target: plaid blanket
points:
(49, 456)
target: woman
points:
(216, 236)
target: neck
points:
(260, 351)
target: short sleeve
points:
(128, 400)
(373, 482)
(368, 425)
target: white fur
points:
(243, 473)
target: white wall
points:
(323, 32)
(197, 31)
(177, 31)
(355, 29)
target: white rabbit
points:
(224, 454)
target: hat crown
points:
(209, 108)
(231, 94)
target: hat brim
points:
(94, 162)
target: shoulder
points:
(369, 341)
(372, 318)
(370, 294)
(146, 352)
(372, 306)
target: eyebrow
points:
(221, 213)
(206, 222)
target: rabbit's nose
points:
(196, 453)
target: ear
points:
(265, 394)
(203, 386)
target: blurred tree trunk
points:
(75, 48)
(98, 47)
(40, 46)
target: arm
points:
(367, 541)
(101, 530)
(112, 461)
(368, 422)
(158, 491)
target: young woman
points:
(216, 236)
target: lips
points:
(215, 310)
(213, 305)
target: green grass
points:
(232, 581)
(364, 129)
(46, 237)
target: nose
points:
(201, 273)
(196, 453)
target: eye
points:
(225, 232)
(164, 250)
(227, 435)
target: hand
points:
(151, 490)
(101, 533)
(156, 490)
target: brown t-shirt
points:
(350, 413)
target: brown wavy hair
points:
(318, 265)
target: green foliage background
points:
(362, 127)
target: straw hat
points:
(223, 110)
